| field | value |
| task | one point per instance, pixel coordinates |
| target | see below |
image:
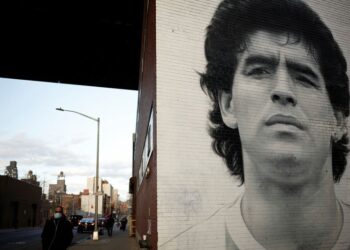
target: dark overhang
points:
(94, 43)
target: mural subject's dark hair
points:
(227, 34)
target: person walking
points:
(58, 232)
(110, 224)
(123, 221)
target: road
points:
(29, 238)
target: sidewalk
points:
(119, 240)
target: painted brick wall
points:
(192, 182)
(188, 170)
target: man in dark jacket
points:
(123, 221)
(109, 224)
(58, 232)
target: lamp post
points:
(95, 234)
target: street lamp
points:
(95, 234)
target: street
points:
(29, 238)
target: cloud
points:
(77, 141)
(32, 151)
(116, 170)
(80, 171)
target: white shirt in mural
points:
(225, 229)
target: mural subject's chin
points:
(288, 168)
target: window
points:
(147, 149)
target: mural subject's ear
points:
(341, 127)
(226, 109)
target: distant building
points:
(58, 189)
(12, 170)
(88, 204)
(31, 179)
(107, 189)
(20, 203)
(71, 203)
(91, 184)
(124, 207)
(115, 198)
(104, 197)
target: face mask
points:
(57, 215)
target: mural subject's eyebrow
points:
(273, 61)
(261, 59)
(302, 68)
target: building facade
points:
(88, 204)
(108, 191)
(58, 189)
(115, 199)
(31, 178)
(104, 198)
(143, 185)
(71, 204)
(11, 170)
(20, 204)
(178, 182)
(91, 184)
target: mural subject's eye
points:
(258, 72)
(306, 82)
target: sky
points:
(47, 141)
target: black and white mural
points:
(252, 124)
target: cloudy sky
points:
(47, 141)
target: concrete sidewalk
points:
(119, 240)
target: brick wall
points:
(20, 203)
(145, 197)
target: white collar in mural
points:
(244, 240)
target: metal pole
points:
(95, 234)
(96, 181)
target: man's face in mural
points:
(280, 105)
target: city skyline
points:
(46, 141)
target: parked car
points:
(86, 225)
(74, 219)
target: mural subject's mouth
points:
(284, 119)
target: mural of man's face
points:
(280, 105)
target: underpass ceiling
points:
(93, 43)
